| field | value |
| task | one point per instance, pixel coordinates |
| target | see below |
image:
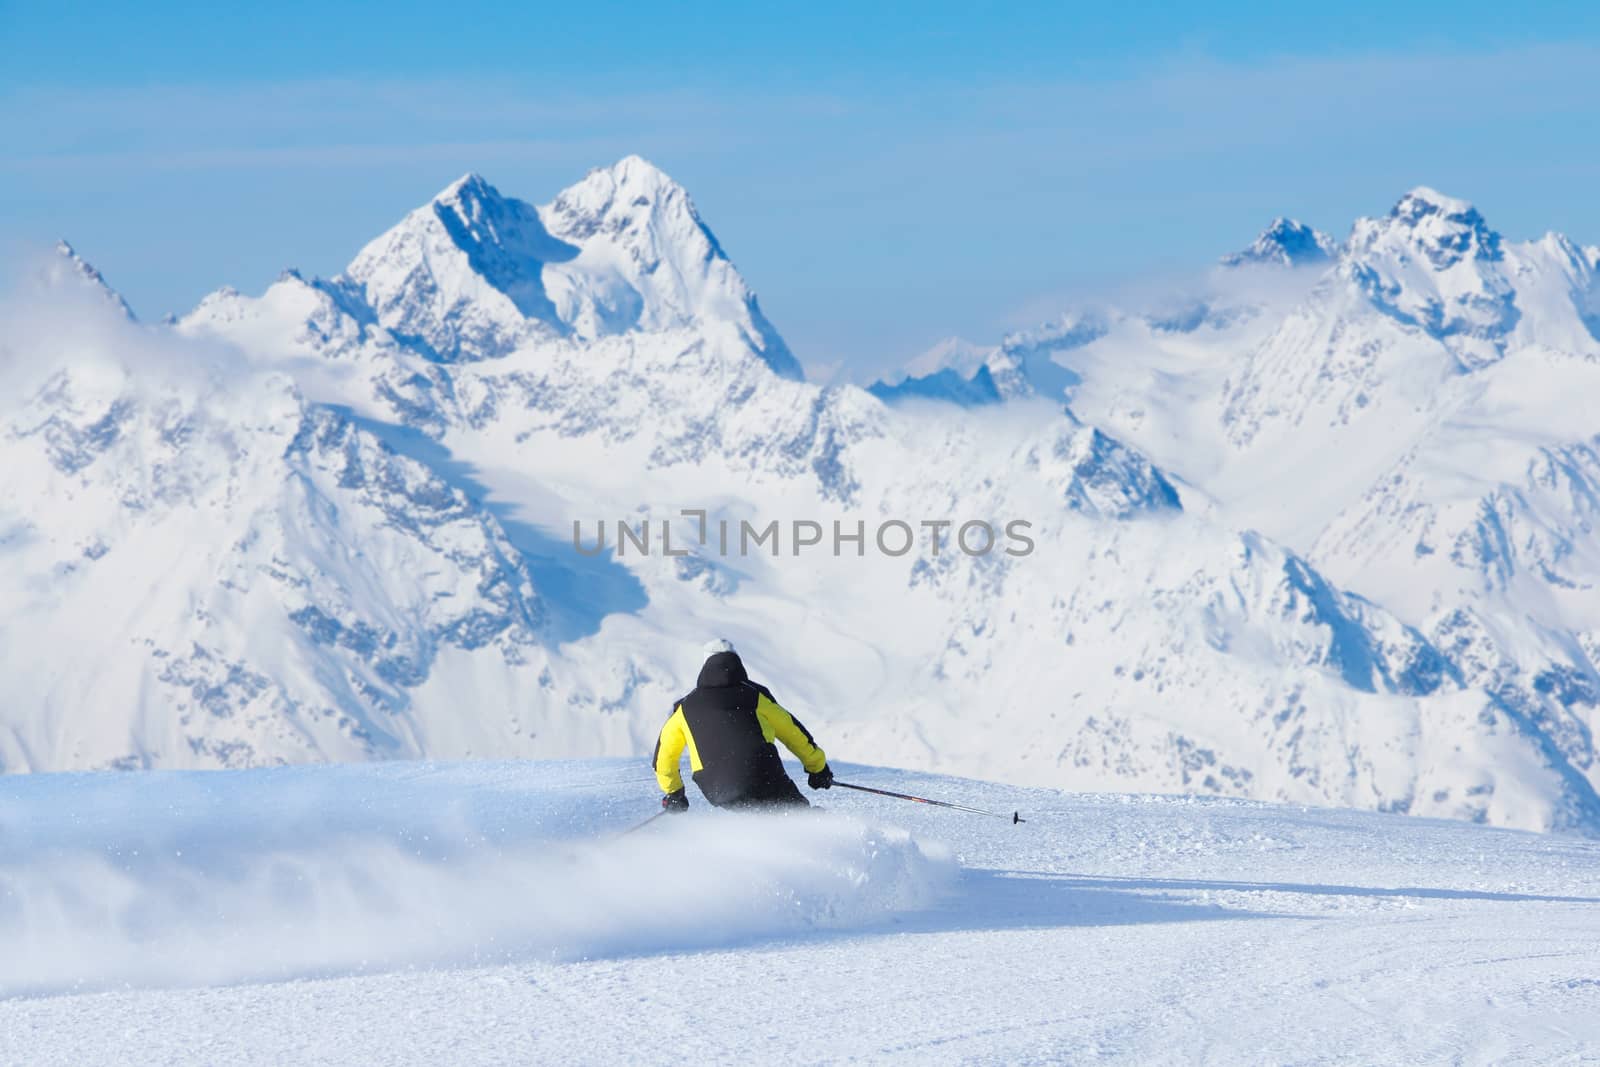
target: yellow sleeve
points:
(776, 722)
(669, 752)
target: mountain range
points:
(1317, 528)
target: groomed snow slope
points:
(427, 913)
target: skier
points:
(728, 724)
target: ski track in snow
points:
(426, 913)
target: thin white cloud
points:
(1164, 107)
(874, 219)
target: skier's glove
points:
(820, 779)
(675, 802)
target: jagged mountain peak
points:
(947, 384)
(631, 174)
(1287, 242)
(953, 353)
(1434, 264)
(67, 266)
(475, 274)
(1444, 230)
(479, 216)
(631, 200)
(648, 261)
(635, 164)
(469, 186)
(956, 370)
(462, 276)
(1424, 199)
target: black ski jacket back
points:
(728, 724)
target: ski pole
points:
(641, 826)
(1016, 817)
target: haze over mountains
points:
(1320, 529)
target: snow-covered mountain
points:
(67, 267)
(955, 370)
(1409, 416)
(1288, 243)
(473, 274)
(336, 521)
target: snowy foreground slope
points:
(484, 913)
(334, 521)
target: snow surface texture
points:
(333, 522)
(419, 914)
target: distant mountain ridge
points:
(1287, 243)
(1406, 415)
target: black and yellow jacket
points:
(728, 724)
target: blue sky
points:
(883, 175)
